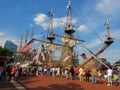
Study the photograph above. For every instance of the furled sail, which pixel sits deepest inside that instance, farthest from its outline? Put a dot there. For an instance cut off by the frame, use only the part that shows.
(50, 47)
(69, 42)
(43, 56)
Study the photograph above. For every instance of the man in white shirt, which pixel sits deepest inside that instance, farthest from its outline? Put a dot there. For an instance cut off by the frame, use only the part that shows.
(109, 76)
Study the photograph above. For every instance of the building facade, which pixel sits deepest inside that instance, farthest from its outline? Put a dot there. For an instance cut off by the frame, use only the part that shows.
(11, 46)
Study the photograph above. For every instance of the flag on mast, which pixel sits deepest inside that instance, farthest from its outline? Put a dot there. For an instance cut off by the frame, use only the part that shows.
(106, 21)
(83, 55)
(69, 3)
(28, 46)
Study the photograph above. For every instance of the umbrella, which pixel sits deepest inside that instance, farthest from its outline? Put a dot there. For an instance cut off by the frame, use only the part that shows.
(33, 64)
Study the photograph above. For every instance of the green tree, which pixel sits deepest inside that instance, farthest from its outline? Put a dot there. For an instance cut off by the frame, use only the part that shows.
(5, 52)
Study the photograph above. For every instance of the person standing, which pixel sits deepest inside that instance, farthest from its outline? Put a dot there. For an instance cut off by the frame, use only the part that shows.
(0, 75)
(118, 75)
(13, 72)
(94, 75)
(109, 76)
(81, 71)
(115, 77)
(87, 74)
(76, 72)
(72, 72)
(100, 75)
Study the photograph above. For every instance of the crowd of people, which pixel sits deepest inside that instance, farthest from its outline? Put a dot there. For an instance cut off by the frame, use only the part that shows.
(93, 75)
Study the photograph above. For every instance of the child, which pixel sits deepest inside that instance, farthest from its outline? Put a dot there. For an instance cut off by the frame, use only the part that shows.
(115, 77)
(105, 77)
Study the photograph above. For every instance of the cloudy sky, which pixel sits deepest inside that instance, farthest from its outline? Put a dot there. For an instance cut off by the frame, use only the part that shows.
(88, 18)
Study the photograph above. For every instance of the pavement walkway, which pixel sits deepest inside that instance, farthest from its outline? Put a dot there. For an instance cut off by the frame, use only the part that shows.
(53, 83)
(11, 86)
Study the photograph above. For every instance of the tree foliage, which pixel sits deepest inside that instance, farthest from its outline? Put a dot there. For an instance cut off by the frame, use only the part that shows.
(5, 52)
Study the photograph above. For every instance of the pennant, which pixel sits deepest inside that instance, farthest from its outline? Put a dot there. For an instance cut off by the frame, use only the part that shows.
(106, 21)
(50, 13)
(69, 3)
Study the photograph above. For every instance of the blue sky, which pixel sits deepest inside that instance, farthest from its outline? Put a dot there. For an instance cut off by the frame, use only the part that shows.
(16, 16)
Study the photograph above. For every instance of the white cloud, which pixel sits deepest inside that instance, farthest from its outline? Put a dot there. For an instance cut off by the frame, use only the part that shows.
(43, 21)
(58, 22)
(83, 28)
(1, 33)
(108, 7)
(40, 18)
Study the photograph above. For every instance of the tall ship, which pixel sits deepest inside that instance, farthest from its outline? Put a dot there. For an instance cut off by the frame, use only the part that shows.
(68, 57)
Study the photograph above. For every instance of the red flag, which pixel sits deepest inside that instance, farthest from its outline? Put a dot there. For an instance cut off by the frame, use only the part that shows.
(83, 56)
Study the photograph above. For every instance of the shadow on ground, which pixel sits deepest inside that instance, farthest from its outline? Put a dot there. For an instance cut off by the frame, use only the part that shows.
(69, 86)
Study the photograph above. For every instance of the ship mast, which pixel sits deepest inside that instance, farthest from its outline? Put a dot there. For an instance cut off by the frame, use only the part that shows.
(66, 50)
(21, 42)
(109, 39)
(69, 30)
(26, 38)
(108, 43)
(32, 34)
(50, 37)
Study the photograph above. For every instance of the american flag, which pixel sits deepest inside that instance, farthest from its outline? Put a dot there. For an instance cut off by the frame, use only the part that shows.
(28, 46)
(83, 55)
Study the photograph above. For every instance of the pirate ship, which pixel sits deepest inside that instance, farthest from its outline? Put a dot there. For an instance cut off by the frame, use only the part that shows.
(67, 45)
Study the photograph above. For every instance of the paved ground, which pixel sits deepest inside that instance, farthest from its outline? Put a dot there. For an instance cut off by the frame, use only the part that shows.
(7, 86)
(54, 83)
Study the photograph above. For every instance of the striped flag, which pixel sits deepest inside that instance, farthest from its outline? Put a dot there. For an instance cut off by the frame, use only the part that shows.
(83, 55)
(28, 46)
